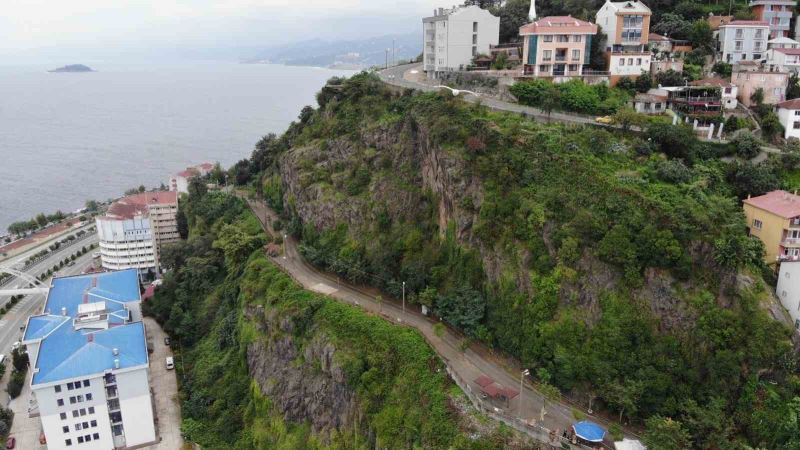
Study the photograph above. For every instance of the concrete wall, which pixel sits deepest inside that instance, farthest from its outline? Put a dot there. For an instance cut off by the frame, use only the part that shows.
(633, 64)
(773, 83)
(788, 118)
(788, 290)
(136, 407)
(771, 231)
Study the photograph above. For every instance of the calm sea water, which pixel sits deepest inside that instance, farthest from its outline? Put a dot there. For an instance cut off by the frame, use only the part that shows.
(69, 137)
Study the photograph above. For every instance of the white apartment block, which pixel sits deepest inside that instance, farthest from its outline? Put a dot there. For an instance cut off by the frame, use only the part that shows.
(742, 40)
(90, 365)
(788, 289)
(180, 181)
(784, 59)
(453, 37)
(789, 115)
(134, 228)
(627, 28)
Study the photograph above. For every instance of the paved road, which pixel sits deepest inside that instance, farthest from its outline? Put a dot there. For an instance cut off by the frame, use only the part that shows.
(20, 257)
(164, 384)
(467, 364)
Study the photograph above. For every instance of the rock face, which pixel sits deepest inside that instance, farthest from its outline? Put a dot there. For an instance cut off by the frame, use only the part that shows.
(304, 383)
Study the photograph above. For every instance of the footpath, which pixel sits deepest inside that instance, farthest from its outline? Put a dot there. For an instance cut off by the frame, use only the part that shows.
(531, 413)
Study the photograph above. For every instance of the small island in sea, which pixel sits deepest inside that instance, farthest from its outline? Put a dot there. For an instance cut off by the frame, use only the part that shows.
(72, 68)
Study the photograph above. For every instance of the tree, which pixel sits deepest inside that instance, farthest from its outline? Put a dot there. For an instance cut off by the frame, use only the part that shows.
(670, 78)
(236, 244)
(701, 36)
(663, 433)
(627, 117)
(676, 141)
(627, 84)
(551, 100)
(751, 179)
(748, 146)
(771, 126)
(674, 26)
(757, 96)
(41, 219)
(644, 82)
(722, 69)
(501, 61)
(793, 88)
(513, 15)
(463, 307)
(182, 223)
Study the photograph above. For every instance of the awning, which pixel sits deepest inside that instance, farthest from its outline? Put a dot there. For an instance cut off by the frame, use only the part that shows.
(483, 381)
(589, 431)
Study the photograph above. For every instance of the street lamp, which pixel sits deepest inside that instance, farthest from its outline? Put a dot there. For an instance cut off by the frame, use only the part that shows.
(522, 376)
(404, 298)
(285, 236)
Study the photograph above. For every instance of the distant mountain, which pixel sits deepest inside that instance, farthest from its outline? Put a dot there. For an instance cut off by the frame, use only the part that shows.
(343, 54)
(73, 68)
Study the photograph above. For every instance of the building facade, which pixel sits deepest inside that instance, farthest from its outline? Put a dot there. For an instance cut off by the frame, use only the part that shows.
(788, 290)
(776, 13)
(180, 181)
(748, 78)
(88, 354)
(742, 40)
(556, 47)
(453, 37)
(774, 218)
(134, 228)
(784, 59)
(627, 29)
(728, 91)
(789, 115)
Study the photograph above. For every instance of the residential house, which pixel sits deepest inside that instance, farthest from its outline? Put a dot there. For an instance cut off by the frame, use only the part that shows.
(453, 37)
(649, 103)
(774, 218)
(89, 364)
(749, 76)
(626, 25)
(784, 59)
(717, 21)
(663, 65)
(788, 290)
(556, 46)
(782, 42)
(657, 42)
(180, 181)
(789, 115)
(728, 90)
(777, 13)
(700, 102)
(512, 52)
(742, 40)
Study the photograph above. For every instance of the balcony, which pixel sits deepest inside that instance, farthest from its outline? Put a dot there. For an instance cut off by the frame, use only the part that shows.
(790, 242)
(112, 392)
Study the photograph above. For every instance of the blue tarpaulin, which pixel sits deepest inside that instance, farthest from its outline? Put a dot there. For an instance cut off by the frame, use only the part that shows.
(589, 431)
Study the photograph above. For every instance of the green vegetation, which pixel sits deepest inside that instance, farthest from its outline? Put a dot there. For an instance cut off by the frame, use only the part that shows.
(19, 362)
(41, 219)
(581, 226)
(400, 384)
(573, 96)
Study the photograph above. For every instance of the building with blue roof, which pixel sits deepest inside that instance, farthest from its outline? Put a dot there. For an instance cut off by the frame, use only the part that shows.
(88, 352)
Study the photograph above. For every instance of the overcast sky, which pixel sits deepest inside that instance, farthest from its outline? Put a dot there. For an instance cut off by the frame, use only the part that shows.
(97, 28)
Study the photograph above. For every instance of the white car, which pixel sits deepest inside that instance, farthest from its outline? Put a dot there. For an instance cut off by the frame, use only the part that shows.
(170, 363)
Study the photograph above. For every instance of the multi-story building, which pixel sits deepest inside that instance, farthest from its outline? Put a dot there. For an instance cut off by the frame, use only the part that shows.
(782, 42)
(557, 47)
(775, 219)
(788, 289)
(742, 40)
(135, 227)
(789, 115)
(777, 13)
(784, 59)
(728, 91)
(627, 28)
(453, 37)
(180, 181)
(750, 76)
(88, 354)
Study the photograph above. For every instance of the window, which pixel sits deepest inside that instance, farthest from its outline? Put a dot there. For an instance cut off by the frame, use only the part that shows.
(96, 436)
(72, 400)
(88, 396)
(63, 416)
(577, 38)
(80, 398)
(75, 413)
(658, 106)
(94, 423)
(563, 38)
(83, 411)
(797, 113)
(759, 34)
(757, 224)
(60, 402)
(70, 386)
(739, 45)
(739, 33)
(728, 90)
(576, 55)
(85, 425)
(630, 61)
(68, 442)
(65, 428)
(622, 62)
(88, 437)
(78, 426)
(544, 68)
(85, 383)
(474, 27)
(474, 39)
(573, 67)
(91, 410)
(638, 61)
(796, 126)
(80, 439)
(474, 51)
(547, 55)
(756, 55)
(797, 324)
(548, 38)
(58, 388)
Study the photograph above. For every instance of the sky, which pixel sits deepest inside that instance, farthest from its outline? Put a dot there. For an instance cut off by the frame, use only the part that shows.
(42, 29)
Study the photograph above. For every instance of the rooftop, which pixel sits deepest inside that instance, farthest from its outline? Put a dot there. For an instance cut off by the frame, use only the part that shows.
(558, 25)
(657, 37)
(782, 40)
(138, 204)
(712, 82)
(790, 104)
(85, 329)
(631, 6)
(746, 23)
(788, 51)
(780, 203)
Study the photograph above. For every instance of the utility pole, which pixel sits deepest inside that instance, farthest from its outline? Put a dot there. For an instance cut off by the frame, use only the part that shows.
(521, 390)
(404, 298)
(285, 236)
(387, 58)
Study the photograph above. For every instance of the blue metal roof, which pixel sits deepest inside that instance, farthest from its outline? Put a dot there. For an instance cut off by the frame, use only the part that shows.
(66, 353)
(589, 431)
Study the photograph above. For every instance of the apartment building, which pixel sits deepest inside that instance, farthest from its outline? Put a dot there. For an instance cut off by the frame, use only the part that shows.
(784, 59)
(88, 354)
(750, 76)
(728, 91)
(742, 40)
(775, 219)
(789, 115)
(557, 46)
(453, 37)
(776, 13)
(627, 28)
(134, 229)
(180, 181)
(788, 289)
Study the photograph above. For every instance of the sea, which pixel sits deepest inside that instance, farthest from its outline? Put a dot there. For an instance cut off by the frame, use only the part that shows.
(69, 137)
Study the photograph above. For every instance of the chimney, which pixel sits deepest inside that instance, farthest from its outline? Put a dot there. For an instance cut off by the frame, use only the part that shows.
(115, 351)
(116, 363)
(63, 310)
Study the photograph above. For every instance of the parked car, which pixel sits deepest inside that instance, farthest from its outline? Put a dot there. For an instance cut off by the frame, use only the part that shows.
(604, 120)
(166, 341)
(11, 442)
(170, 363)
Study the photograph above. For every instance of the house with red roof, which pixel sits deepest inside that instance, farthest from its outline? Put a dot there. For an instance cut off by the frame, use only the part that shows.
(784, 59)
(742, 40)
(777, 13)
(556, 47)
(789, 115)
(774, 218)
(180, 181)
